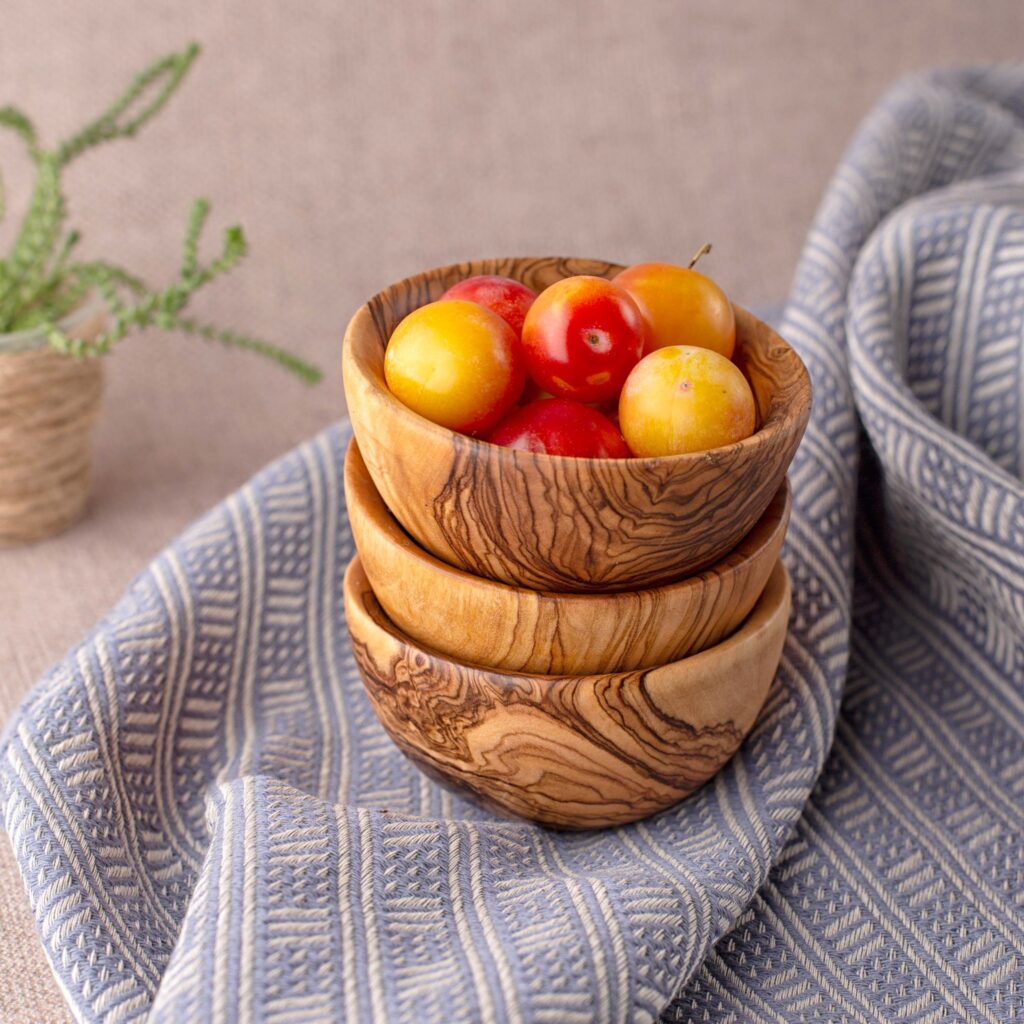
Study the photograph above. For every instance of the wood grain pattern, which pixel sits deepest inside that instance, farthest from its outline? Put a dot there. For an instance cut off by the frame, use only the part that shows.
(519, 630)
(568, 751)
(556, 523)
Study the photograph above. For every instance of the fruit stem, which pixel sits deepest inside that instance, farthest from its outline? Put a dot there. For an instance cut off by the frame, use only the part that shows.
(702, 251)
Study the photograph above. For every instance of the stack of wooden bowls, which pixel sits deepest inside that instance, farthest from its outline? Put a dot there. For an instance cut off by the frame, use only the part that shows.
(580, 642)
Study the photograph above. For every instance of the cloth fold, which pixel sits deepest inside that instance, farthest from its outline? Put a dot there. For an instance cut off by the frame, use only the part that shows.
(212, 826)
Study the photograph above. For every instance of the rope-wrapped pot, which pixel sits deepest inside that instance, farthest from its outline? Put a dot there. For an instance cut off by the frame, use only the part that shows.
(48, 404)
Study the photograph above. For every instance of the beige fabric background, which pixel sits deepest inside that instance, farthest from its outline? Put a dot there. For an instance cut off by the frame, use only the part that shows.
(360, 142)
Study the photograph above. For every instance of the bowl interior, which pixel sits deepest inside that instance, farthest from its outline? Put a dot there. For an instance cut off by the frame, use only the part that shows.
(522, 630)
(570, 751)
(389, 307)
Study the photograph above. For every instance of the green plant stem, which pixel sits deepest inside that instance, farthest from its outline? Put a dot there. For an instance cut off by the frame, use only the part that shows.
(39, 285)
(142, 100)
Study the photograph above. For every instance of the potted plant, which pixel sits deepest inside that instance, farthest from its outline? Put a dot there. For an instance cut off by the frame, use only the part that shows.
(59, 314)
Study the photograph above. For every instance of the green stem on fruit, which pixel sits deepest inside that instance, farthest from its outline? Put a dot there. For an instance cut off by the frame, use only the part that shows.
(702, 251)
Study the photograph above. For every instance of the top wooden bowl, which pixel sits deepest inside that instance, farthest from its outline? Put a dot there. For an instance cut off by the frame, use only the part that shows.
(558, 523)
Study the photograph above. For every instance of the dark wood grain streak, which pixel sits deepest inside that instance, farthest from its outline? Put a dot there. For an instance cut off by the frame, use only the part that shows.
(563, 524)
(521, 630)
(568, 751)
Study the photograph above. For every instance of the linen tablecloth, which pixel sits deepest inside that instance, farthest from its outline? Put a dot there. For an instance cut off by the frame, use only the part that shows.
(212, 826)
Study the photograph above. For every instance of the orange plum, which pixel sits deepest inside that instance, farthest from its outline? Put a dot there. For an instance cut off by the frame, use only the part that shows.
(685, 399)
(681, 307)
(455, 363)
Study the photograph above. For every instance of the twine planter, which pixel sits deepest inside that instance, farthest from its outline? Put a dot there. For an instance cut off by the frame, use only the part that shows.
(48, 404)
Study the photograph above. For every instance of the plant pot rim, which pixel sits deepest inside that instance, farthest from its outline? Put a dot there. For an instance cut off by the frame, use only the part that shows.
(33, 338)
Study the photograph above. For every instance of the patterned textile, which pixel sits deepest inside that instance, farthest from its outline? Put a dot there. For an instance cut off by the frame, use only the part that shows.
(213, 827)
(901, 894)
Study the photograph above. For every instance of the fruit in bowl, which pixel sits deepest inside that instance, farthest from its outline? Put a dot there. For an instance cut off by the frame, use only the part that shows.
(560, 426)
(681, 306)
(625, 344)
(510, 299)
(456, 363)
(555, 522)
(582, 337)
(685, 399)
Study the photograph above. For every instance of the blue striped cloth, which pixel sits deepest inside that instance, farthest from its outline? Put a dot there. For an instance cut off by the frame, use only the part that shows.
(213, 827)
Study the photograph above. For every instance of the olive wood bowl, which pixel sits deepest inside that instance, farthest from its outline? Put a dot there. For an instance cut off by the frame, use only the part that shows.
(520, 630)
(554, 522)
(577, 752)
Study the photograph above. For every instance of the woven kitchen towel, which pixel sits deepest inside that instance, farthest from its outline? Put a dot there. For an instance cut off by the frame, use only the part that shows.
(901, 895)
(213, 827)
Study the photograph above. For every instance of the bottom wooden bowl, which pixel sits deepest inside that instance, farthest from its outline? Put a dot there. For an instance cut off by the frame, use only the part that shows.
(569, 751)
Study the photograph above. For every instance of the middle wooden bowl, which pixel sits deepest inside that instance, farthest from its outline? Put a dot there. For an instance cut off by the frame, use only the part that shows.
(581, 751)
(519, 630)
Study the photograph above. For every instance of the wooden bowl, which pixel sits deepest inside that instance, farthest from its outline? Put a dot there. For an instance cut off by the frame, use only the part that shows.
(558, 523)
(570, 751)
(519, 630)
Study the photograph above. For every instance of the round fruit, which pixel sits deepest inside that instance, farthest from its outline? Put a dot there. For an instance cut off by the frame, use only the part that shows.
(508, 298)
(560, 426)
(681, 307)
(582, 337)
(685, 399)
(456, 364)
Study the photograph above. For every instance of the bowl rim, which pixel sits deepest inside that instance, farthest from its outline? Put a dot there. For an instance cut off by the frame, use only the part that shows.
(776, 594)
(777, 417)
(397, 537)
